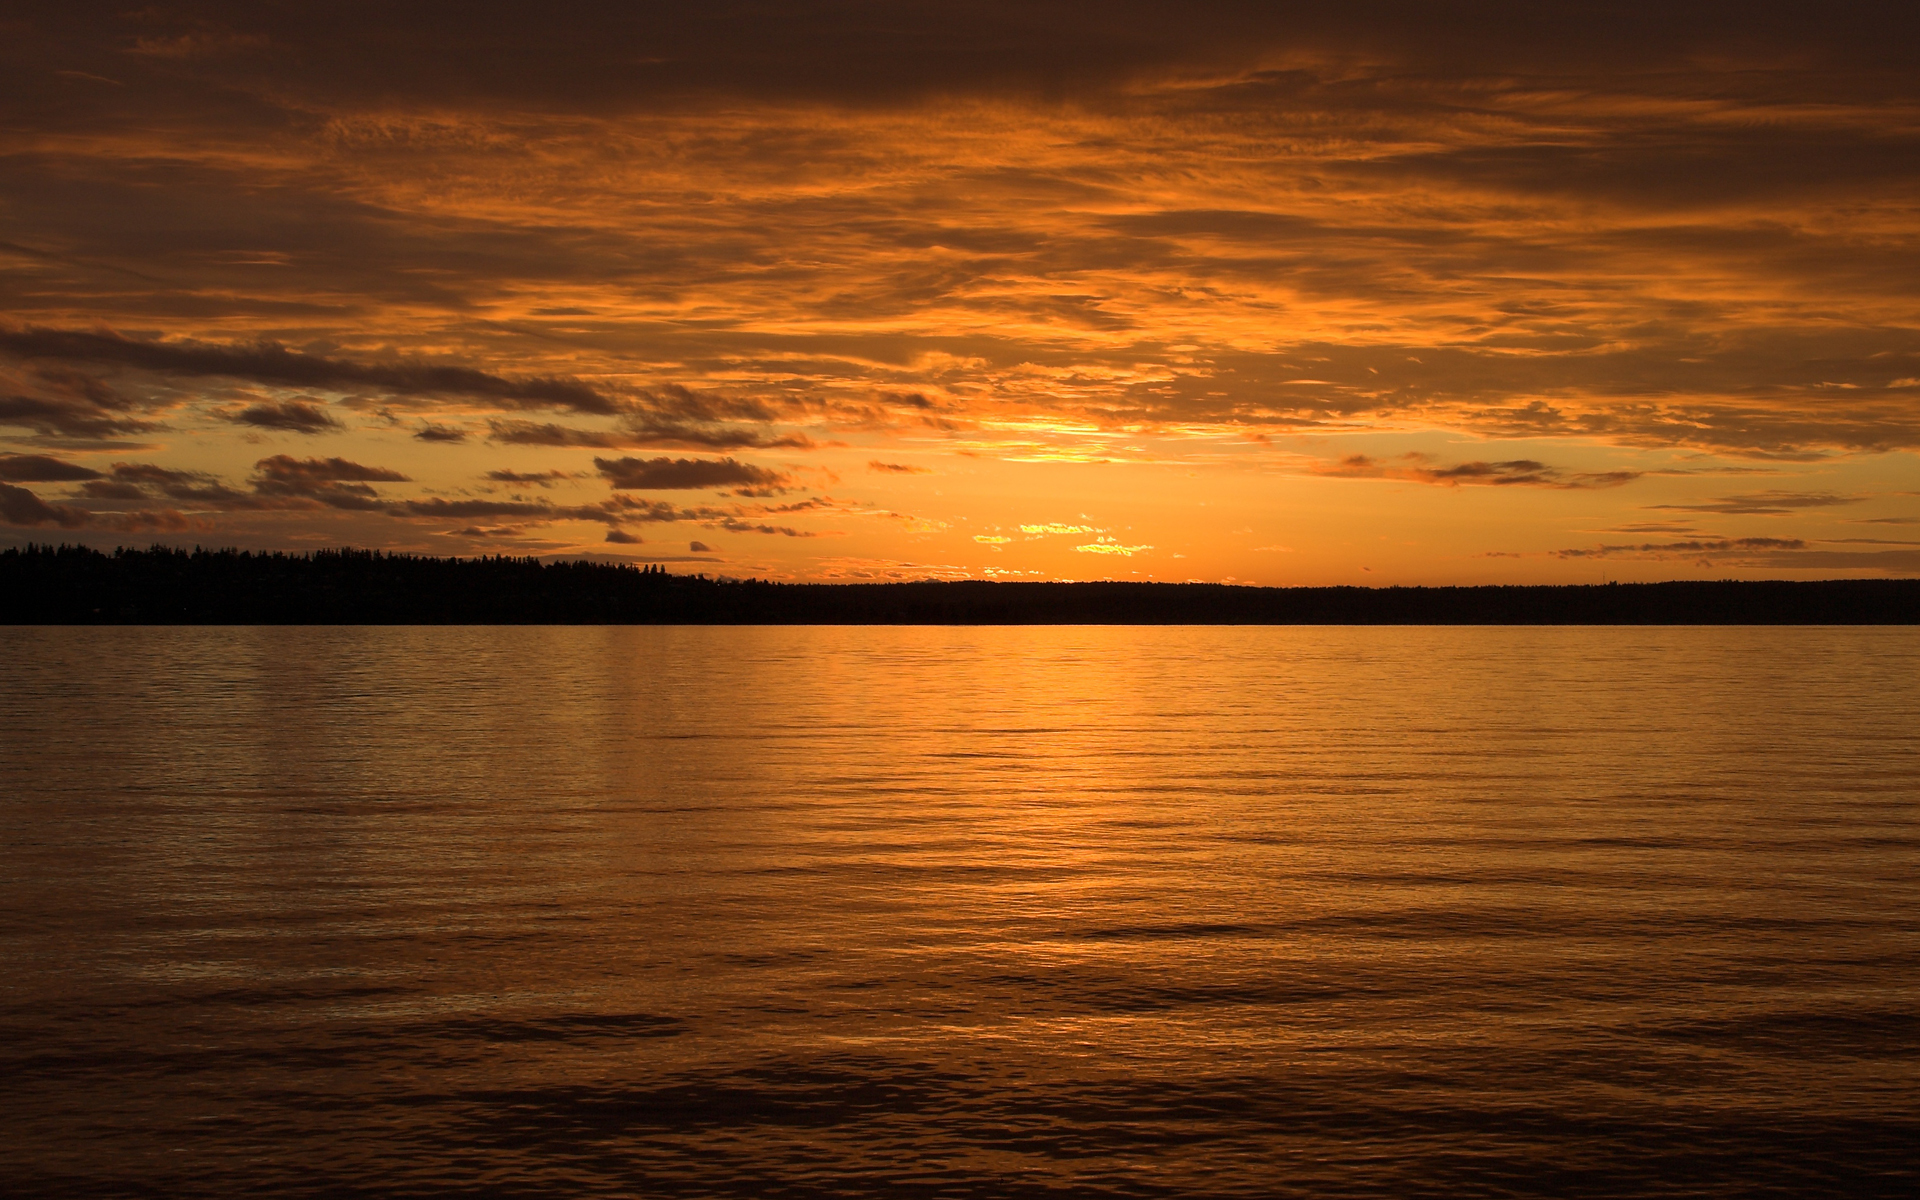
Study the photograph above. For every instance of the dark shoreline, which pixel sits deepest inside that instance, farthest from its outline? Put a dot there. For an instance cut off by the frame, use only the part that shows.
(44, 585)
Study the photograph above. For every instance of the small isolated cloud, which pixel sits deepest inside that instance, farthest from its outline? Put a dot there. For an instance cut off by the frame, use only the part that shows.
(430, 432)
(1056, 527)
(681, 474)
(533, 433)
(287, 416)
(286, 468)
(545, 479)
(735, 525)
(40, 468)
(991, 539)
(481, 531)
(1273, 549)
(1106, 546)
(700, 548)
(334, 482)
(1670, 528)
(622, 537)
(1762, 504)
(888, 468)
(1516, 472)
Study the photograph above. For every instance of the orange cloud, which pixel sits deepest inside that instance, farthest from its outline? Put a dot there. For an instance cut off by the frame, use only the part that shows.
(1229, 246)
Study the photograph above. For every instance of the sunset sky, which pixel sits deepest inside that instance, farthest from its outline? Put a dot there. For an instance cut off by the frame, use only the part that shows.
(1271, 293)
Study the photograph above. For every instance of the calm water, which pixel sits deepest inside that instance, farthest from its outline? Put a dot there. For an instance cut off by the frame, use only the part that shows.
(959, 912)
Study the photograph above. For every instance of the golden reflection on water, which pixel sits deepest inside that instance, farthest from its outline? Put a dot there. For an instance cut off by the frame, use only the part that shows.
(737, 910)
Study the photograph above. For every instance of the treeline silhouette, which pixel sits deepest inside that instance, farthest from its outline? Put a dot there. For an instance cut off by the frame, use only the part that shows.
(78, 585)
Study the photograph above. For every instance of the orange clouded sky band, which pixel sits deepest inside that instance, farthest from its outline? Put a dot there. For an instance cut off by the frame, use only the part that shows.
(1406, 293)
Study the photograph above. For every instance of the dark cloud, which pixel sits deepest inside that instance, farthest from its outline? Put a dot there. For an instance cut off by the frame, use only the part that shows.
(677, 474)
(1686, 549)
(636, 433)
(285, 468)
(1790, 554)
(699, 548)
(597, 56)
(430, 432)
(271, 363)
(38, 468)
(1774, 503)
(333, 482)
(621, 508)
(736, 525)
(670, 404)
(529, 433)
(622, 537)
(640, 508)
(18, 506)
(72, 404)
(676, 435)
(614, 512)
(288, 416)
(483, 531)
(286, 483)
(545, 479)
(1729, 165)
(887, 468)
(138, 481)
(1519, 472)
(1669, 528)
(435, 506)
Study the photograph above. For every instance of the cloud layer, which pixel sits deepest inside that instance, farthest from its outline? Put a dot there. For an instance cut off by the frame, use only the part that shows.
(1509, 259)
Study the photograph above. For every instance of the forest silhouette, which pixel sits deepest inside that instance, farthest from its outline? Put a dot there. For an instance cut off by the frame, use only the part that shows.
(43, 584)
(73, 584)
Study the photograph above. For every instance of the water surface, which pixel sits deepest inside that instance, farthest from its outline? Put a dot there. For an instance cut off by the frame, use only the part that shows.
(959, 912)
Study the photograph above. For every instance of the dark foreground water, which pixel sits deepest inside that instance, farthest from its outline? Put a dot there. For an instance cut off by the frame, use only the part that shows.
(959, 912)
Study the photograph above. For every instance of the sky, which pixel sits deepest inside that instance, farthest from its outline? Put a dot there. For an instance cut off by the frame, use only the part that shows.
(1266, 293)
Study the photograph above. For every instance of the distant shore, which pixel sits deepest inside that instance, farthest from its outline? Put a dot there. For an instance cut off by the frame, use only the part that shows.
(72, 585)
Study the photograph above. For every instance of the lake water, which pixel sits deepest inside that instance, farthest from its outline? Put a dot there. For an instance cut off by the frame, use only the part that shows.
(797, 912)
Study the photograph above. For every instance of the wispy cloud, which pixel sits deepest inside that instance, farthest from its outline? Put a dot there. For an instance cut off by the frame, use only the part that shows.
(1686, 549)
(270, 362)
(39, 468)
(1773, 503)
(288, 416)
(1110, 546)
(680, 474)
(1522, 472)
(1241, 245)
